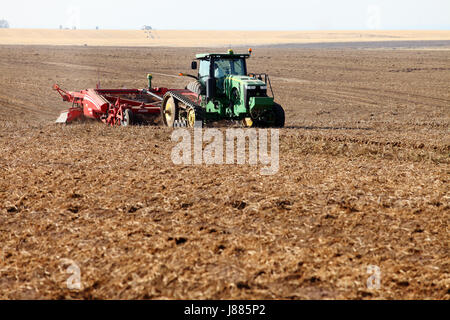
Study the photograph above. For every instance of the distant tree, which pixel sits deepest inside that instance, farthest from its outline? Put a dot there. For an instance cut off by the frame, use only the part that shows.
(4, 24)
(60, 27)
(146, 28)
(97, 28)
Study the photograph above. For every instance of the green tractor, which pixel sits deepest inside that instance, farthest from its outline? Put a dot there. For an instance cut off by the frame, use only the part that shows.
(223, 90)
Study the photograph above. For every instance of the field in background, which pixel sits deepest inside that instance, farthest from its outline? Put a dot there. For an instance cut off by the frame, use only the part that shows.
(178, 38)
(363, 180)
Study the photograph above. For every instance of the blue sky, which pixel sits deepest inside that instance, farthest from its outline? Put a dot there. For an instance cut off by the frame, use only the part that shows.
(230, 14)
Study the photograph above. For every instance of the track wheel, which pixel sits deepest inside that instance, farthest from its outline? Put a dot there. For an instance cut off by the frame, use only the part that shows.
(279, 116)
(272, 118)
(169, 111)
(128, 118)
(194, 114)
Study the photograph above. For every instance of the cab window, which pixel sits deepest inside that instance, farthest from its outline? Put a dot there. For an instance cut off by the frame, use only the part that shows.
(226, 67)
(203, 71)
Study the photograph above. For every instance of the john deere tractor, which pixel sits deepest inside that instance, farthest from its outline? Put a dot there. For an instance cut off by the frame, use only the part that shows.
(223, 90)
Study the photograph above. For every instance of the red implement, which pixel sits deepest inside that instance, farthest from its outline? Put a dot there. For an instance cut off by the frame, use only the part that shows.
(112, 106)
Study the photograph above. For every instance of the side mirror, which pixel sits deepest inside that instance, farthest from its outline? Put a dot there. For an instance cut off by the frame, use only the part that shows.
(194, 65)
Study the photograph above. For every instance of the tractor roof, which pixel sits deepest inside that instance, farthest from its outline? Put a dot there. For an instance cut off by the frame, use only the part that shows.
(230, 55)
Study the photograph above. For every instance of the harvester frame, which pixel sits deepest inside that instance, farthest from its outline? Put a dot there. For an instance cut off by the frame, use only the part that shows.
(112, 106)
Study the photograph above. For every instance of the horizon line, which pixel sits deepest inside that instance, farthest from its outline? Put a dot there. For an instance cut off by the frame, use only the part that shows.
(247, 30)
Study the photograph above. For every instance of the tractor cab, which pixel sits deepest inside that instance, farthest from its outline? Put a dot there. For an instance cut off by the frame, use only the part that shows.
(215, 67)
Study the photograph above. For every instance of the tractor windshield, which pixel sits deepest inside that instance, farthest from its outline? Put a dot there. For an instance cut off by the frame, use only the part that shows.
(226, 67)
(223, 67)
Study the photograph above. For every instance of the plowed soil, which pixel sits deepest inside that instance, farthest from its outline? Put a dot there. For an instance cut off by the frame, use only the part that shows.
(363, 180)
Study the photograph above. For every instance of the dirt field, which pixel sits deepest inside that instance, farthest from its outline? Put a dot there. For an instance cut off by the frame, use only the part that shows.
(363, 180)
(201, 38)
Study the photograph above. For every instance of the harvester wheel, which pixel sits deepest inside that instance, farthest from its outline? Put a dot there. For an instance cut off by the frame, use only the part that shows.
(169, 111)
(128, 118)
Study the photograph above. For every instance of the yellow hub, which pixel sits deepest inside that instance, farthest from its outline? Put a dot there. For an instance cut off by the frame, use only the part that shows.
(191, 118)
(168, 111)
(248, 122)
